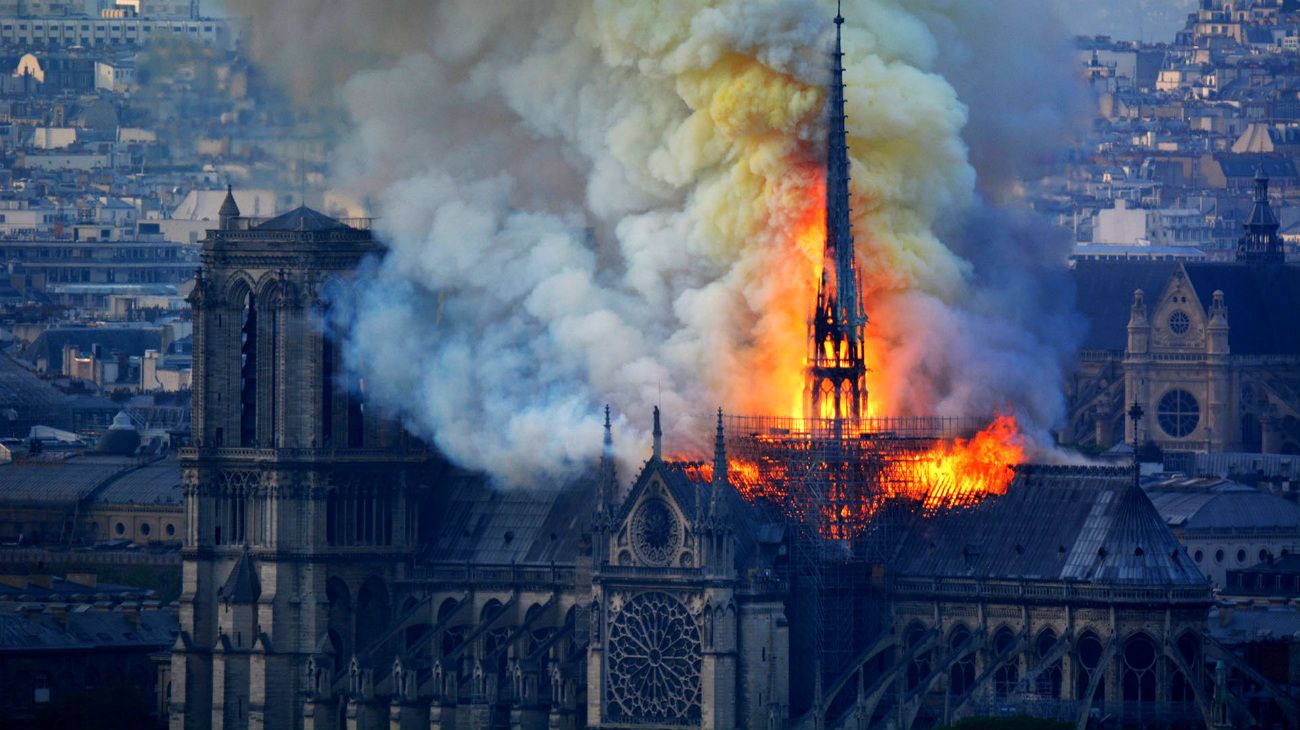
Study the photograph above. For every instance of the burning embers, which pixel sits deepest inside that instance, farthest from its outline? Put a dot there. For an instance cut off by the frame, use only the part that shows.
(840, 482)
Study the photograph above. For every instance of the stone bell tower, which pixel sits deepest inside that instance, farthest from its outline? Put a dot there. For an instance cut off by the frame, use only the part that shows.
(295, 493)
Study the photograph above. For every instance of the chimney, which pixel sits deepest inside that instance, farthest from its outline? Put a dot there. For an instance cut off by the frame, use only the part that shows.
(59, 611)
(83, 579)
(1226, 609)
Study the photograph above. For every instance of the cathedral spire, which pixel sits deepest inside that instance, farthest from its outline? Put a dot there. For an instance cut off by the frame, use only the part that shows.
(719, 468)
(607, 476)
(658, 438)
(836, 378)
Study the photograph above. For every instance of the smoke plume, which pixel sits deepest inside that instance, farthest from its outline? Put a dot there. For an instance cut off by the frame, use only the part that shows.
(591, 201)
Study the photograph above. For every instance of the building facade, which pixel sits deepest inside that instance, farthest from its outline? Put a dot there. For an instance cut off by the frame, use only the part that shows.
(291, 486)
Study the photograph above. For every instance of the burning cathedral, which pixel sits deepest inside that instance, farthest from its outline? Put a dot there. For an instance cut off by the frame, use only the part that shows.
(829, 571)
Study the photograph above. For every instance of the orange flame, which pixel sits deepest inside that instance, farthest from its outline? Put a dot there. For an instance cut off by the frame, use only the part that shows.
(950, 475)
(964, 471)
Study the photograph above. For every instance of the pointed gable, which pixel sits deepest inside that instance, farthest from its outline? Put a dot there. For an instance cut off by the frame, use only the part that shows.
(242, 585)
(1055, 523)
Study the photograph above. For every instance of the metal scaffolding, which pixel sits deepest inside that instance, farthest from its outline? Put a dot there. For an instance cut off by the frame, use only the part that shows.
(845, 490)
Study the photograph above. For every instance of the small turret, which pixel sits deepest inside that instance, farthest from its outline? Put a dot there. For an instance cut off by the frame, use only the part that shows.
(229, 210)
(1218, 325)
(1139, 326)
(1261, 243)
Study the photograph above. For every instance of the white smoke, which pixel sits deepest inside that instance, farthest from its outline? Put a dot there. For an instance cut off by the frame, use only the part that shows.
(588, 202)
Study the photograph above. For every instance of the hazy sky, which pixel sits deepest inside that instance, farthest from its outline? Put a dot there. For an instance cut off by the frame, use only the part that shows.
(1151, 20)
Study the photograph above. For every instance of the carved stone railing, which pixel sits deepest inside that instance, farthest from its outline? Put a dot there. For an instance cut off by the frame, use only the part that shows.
(1046, 592)
(462, 574)
(193, 453)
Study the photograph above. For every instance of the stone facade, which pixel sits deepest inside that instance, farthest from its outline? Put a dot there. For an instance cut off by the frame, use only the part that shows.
(1201, 348)
(292, 496)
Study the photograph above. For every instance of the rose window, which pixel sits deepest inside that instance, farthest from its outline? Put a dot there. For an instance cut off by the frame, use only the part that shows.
(656, 533)
(654, 663)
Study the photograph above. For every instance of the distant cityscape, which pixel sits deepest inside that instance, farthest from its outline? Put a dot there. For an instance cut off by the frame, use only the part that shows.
(204, 521)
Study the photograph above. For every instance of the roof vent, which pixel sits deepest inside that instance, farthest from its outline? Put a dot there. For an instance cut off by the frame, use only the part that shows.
(1139, 551)
(1101, 552)
(510, 536)
(1020, 550)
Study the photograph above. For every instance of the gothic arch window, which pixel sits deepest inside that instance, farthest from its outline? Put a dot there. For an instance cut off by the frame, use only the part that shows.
(1178, 413)
(1087, 653)
(961, 676)
(1252, 433)
(1048, 683)
(1139, 679)
(654, 663)
(1189, 649)
(340, 619)
(248, 370)
(1007, 675)
(335, 297)
(919, 667)
(372, 612)
(268, 343)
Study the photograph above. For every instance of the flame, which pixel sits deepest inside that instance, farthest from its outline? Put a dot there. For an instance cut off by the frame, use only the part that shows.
(950, 475)
(780, 356)
(964, 471)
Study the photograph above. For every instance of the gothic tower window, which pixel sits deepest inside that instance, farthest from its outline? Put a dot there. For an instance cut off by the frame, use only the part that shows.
(248, 373)
(327, 389)
(356, 412)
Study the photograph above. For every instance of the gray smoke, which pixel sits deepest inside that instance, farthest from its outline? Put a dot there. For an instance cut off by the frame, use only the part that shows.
(591, 201)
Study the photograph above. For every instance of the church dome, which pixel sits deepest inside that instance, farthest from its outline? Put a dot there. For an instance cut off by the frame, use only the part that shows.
(121, 438)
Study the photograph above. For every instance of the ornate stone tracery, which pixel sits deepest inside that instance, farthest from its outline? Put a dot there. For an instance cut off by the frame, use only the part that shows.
(654, 663)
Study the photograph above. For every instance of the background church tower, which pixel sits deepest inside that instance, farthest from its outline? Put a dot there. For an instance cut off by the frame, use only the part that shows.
(836, 380)
(296, 495)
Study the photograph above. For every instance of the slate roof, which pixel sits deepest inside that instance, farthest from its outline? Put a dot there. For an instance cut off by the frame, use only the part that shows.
(1254, 293)
(1245, 166)
(130, 340)
(86, 629)
(61, 482)
(302, 218)
(485, 524)
(1229, 506)
(102, 479)
(35, 400)
(1055, 523)
(64, 590)
(152, 484)
(1245, 624)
